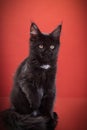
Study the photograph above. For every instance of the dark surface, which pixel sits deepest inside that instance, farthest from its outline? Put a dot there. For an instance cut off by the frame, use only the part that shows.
(72, 112)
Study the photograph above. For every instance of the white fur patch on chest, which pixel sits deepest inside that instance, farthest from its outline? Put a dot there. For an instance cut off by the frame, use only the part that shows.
(45, 67)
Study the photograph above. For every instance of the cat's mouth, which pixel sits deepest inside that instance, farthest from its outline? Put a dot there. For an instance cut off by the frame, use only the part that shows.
(45, 66)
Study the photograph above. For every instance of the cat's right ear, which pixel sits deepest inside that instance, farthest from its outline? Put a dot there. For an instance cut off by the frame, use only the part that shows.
(34, 30)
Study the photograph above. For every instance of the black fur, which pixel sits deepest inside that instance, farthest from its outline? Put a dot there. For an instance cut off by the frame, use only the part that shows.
(33, 93)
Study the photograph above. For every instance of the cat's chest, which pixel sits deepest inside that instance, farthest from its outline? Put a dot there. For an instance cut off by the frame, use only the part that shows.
(47, 79)
(44, 81)
(45, 67)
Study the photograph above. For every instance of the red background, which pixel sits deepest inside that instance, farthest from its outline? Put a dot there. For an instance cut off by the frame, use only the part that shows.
(16, 16)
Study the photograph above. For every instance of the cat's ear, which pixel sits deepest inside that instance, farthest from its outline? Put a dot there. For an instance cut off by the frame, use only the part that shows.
(34, 30)
(56, 33)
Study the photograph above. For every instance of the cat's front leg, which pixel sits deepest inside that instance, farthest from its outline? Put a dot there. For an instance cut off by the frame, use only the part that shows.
(46, 109)
(47, 103)
(31, 94)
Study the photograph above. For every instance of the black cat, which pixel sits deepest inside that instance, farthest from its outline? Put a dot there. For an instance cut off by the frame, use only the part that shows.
(33, 93)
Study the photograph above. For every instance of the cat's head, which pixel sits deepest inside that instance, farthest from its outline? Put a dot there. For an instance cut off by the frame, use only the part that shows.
(44, 46)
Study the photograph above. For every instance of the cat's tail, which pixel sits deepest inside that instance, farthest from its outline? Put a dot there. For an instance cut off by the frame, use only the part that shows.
(14, 121)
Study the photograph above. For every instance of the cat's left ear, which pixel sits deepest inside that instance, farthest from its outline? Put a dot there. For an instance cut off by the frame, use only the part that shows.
(56, 33)
(34, 30)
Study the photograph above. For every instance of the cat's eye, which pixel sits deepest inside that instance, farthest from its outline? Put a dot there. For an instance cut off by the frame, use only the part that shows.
(41, 46)
(52, 47)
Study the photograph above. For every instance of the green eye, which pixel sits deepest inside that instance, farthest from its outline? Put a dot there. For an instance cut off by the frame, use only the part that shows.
(52, 47)
(41, 46)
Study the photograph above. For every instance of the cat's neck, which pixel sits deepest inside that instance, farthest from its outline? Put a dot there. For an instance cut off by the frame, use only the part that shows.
(40, 64)
(45, 66)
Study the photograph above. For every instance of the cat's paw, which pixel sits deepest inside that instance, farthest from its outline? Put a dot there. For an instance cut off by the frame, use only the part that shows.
(52, 122)
(35, 113)
(55, 116)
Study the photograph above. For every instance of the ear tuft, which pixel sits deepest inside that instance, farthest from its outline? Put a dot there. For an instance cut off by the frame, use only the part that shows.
(34, 30)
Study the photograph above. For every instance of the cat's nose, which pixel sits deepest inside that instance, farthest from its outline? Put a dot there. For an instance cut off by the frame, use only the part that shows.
(46, 52)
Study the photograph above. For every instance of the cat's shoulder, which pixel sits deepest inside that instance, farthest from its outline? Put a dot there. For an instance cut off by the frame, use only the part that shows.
(23, 67)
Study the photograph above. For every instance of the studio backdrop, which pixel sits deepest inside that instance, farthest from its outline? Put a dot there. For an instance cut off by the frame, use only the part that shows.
(71, 79)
